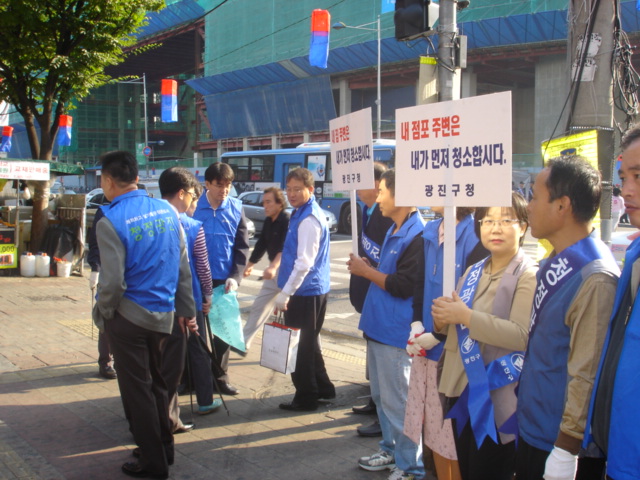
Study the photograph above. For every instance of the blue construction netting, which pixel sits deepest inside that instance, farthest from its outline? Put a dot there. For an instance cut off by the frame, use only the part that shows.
(287, 107)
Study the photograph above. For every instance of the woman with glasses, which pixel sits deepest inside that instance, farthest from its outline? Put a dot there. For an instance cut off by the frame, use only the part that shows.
(487, 327)
(424, 420)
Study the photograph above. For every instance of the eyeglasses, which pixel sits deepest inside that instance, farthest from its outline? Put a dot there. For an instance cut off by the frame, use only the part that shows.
(192, 194)
(294, 190)
(503, 222)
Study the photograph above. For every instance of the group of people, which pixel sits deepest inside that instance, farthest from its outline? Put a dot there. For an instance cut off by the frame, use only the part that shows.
(526, 369)
(155, 263)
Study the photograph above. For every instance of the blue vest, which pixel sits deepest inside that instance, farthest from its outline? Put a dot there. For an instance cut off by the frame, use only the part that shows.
(466, 240)
(191, 228)
(220, 227)
(150, 232)
(317, 280)
(624, 427)
(544, 377)
(385, 318)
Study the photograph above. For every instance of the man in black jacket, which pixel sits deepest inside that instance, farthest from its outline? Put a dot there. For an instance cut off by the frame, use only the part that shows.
(370, 238)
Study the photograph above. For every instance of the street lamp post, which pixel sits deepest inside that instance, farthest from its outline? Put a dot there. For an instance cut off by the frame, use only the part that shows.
(340, 25)
(143, 81)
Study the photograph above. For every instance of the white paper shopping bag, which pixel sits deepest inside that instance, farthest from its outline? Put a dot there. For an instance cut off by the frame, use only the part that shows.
(279, 347)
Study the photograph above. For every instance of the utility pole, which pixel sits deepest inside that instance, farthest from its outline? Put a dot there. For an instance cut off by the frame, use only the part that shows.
(448, 74)
(449, 87)
(590, 47)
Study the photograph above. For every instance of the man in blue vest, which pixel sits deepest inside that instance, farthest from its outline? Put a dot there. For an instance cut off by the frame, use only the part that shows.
(225, 229)
(572, 305)
(370, 237)
(304, 283)
(178, 186)
(615, 421)
(386, 323)
(145, 278)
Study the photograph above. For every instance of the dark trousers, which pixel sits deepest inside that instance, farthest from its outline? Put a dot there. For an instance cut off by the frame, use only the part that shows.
(220, 348)
(138, 354)
(104, 352)
(310, 378)
(530, 463)
(173, 362)
(489, 462)
(200, 365)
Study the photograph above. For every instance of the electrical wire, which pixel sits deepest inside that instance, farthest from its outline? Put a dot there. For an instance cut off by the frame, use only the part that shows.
(574, 86)
(626, 80)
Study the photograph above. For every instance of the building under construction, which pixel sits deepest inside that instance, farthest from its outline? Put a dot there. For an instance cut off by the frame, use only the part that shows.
(245, 81)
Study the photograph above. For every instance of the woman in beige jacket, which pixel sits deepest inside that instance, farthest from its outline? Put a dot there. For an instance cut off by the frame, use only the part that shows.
(494, 331)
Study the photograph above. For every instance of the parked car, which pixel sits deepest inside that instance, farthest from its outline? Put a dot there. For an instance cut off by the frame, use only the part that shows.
(95, 198)
(253, 210)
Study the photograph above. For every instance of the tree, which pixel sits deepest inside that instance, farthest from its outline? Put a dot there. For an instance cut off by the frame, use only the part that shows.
(55, 52)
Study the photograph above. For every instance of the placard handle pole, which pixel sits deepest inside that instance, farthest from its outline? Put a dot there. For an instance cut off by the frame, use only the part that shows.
(449, 258)
(354, 222)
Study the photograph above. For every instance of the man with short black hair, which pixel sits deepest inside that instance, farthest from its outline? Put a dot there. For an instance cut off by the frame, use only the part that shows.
(574, 296)
(304, 283)
(178, 187)
(370, 237)
(386, 323)
(225, 229)
(144, 279)
(614, 418)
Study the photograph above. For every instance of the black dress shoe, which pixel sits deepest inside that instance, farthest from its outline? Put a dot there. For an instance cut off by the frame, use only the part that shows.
(108, 372)
(184, 428)
(136, 454)
(225, 388)
(298, 407)
(369, 409)
(372, 430)
(133, 469)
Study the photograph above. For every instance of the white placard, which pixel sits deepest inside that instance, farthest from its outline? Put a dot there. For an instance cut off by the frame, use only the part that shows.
(24, 170)
(455, 153)
(352, 151)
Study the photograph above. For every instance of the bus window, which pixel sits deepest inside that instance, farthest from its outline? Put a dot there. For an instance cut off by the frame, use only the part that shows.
(240, 166)
(252, 169)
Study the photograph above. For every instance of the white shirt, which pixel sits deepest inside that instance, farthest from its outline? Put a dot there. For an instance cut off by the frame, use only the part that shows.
(309, 233)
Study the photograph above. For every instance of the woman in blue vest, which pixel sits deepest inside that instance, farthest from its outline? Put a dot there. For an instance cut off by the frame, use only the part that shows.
(487, 328)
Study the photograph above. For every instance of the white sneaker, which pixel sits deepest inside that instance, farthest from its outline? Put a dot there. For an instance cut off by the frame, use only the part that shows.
(397, 474)
(380, 460)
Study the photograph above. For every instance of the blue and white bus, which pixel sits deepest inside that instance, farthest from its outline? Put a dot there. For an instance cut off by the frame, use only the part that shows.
(260, 169)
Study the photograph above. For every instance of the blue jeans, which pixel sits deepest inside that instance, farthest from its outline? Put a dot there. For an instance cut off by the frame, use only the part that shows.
(389, 369)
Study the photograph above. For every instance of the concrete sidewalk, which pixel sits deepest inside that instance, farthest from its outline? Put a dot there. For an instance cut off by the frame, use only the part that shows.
(60, 420)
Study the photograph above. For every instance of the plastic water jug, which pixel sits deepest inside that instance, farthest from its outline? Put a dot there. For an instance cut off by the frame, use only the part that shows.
(42, 265)
(27, 265)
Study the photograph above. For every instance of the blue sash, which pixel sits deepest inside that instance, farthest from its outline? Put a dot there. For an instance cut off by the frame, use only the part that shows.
(475, 401)
(557, 271)
(500, 372)
(371, 248)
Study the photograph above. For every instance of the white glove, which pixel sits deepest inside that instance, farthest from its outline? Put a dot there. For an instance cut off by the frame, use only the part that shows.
(230, 285)
(93, 280)
(426, 341)
(281, 301)
(561, 465)
(417, 328)
(415, 350)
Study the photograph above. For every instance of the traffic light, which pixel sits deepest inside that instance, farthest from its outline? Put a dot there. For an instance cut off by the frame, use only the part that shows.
(414, 17)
